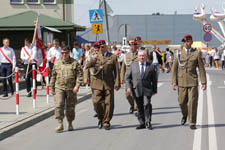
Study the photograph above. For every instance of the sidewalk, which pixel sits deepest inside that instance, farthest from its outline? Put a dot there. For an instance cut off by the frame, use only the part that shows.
(10, 123)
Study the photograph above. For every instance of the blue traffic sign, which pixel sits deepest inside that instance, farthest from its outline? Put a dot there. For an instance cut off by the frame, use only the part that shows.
(96, 16)
(207, 37)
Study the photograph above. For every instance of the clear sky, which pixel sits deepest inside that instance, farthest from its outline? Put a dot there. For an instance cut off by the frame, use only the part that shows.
(140, 7)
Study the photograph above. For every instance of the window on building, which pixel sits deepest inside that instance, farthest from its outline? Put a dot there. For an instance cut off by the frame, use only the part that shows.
(49, 1)
(16, 1)
(33, 1)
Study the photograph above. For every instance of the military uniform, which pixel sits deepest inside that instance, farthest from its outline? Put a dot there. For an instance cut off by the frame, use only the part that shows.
(129, 58)
(185, 76)
(89, 73)
(65, 77)
(102, 84)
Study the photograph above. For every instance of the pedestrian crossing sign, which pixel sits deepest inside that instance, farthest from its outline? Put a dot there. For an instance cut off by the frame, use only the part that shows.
(96, 16)
(97, 28)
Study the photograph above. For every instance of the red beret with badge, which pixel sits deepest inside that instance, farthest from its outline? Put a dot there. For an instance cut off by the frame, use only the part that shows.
(186, 37)
(96, 44)
(101, 42)
(137, 38)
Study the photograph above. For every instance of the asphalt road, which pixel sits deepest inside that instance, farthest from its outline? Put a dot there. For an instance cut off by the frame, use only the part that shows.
(167, 134)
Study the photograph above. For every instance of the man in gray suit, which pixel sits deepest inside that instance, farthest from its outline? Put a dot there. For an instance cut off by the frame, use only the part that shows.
(141, 81)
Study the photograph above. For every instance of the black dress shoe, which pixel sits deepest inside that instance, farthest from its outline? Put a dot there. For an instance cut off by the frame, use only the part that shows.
(107, 127)
(96, 115)
(100, 124)
(29, 95)
(142, 126)
(149, 126)
(131, 110)
(136, 114)
(193, 127)
(183, 120)
(5, 95)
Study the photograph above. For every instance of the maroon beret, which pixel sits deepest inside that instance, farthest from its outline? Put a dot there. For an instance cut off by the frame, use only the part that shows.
(101, 42)
(186, 37)
(96, 44)
(137, 38)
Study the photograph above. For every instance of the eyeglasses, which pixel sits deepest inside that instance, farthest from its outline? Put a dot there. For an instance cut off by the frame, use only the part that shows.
(64, 53)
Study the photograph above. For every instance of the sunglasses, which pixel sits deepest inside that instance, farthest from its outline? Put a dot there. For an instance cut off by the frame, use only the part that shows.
(64, 53)
(102, 46)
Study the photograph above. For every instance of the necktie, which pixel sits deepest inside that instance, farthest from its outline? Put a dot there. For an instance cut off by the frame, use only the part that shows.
(142, 70)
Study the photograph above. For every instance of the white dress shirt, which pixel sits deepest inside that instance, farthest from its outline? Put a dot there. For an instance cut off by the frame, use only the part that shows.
(155, 59)
(32, 51)
(54, 52)
(140, 65)
(9, 52)
(187, 50)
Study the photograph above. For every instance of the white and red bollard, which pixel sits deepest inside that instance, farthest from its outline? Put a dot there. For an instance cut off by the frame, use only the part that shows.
(34, 86)
(47, 82)
(17, 91)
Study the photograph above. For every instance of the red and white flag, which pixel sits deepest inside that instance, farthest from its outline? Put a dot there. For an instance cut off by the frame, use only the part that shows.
(41, 55)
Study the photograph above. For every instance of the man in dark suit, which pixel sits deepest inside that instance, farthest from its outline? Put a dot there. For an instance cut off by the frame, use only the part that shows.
(142, 79)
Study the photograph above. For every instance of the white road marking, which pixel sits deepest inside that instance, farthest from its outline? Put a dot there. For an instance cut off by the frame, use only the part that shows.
(211, 120)
(198, 133)
(221, 87)
(160, 84)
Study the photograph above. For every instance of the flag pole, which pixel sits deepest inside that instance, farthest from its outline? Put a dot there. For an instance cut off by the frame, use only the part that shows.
(107, 23)
(35, 31)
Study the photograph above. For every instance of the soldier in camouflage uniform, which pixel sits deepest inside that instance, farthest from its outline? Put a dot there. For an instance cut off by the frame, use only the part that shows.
(129, 58)
(64, 86)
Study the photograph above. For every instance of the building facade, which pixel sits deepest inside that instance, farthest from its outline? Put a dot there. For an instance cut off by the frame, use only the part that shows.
(61, 9)
(153, 27)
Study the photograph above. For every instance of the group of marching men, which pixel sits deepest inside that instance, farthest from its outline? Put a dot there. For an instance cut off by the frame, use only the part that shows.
(102, 72)
(139, 72)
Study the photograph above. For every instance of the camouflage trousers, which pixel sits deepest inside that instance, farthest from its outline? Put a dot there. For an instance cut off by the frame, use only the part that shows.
(65, 100)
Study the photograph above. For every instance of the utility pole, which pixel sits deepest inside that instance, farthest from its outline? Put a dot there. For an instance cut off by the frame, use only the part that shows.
(64, 10)
(107, 23)
(125, 30)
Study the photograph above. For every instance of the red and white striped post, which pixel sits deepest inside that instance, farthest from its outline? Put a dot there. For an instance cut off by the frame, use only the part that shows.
(47, 82)
(17, 91)
(34, 86)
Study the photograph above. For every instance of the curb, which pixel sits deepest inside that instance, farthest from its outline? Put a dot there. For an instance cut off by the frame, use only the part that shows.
(32, 120)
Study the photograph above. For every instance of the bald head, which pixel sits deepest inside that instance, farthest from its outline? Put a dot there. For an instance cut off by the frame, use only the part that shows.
(142, 56)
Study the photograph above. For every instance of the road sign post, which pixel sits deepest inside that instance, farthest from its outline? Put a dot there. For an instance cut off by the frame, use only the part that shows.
(207, 28)
(207, 37)
(96, 19)
(96, 16)
(97, 28)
